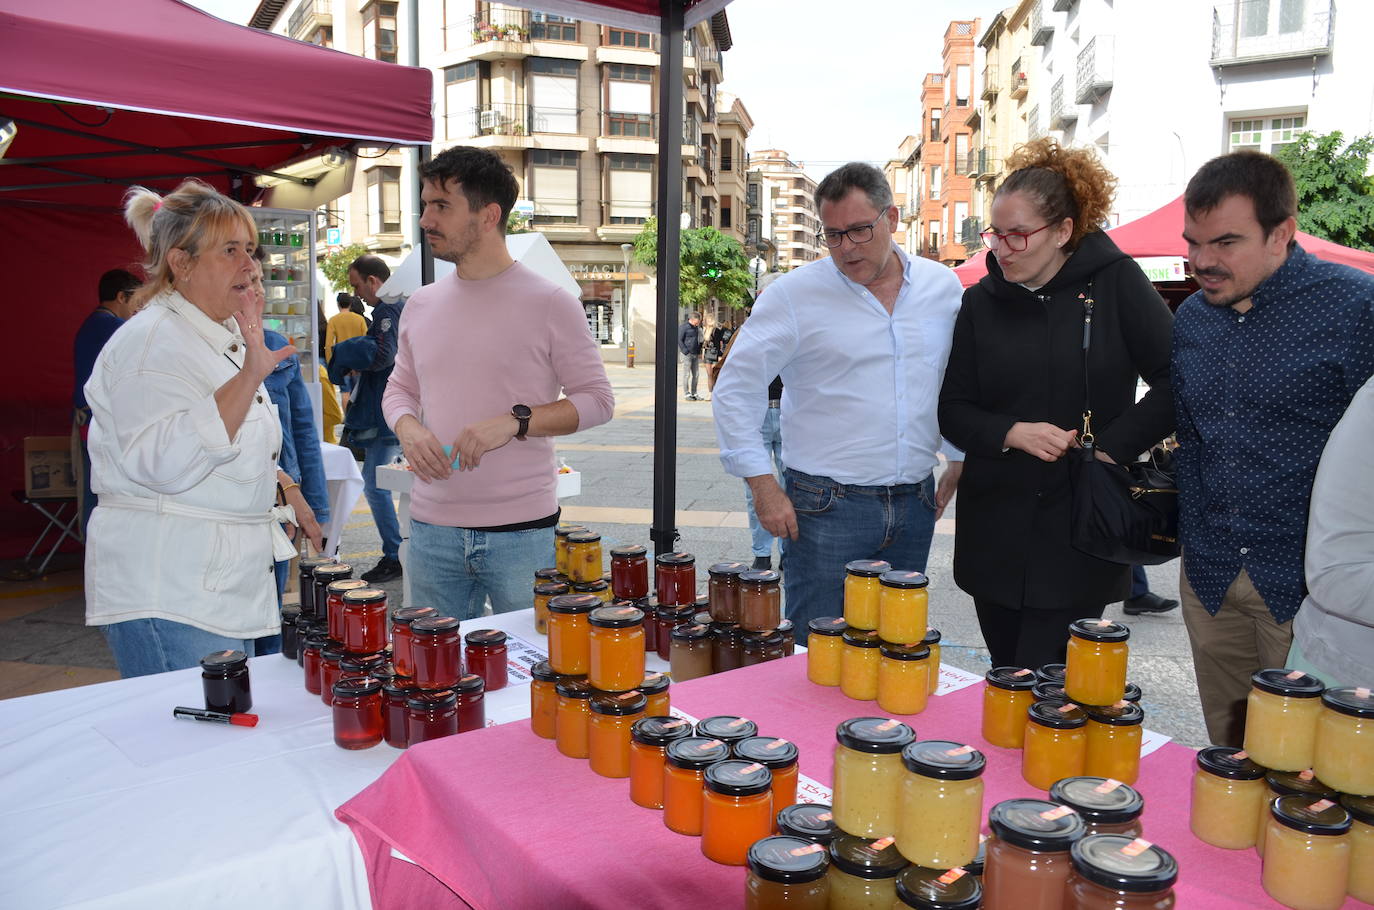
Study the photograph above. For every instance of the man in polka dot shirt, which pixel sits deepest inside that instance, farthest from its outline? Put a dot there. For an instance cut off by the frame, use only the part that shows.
(1267, 355)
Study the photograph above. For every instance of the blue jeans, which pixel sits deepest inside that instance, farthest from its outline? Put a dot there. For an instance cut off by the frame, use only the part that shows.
(383, 507)
(838, 523)
(771, 431)
(1139, 584)
(145, 646)
(455, 570)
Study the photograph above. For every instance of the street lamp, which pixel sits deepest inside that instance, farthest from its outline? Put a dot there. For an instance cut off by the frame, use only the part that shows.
(626, 317)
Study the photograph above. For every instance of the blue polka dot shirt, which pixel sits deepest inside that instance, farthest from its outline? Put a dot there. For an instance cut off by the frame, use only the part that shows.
(1257, 395)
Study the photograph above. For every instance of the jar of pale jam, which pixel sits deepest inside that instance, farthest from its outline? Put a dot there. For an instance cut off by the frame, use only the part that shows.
(570, 637)
(616, 648)
(1056, 744)
(402, 637)
(1095, 669)
(1116, 872)
(759, 647)
(1343, 754)
(1307, 853)
(357, 709)
(1028, 861)
(608, 731)
(1289, 783)
(330, 671)
(823, 647)
(941, 805)
(584, 556)
(723, 590)
(685, 763)
(1228, 798)
(903, 606)
(649, 737)
(932, 641)
(543, 699)
(809, 821)
(224, 677)
(322, 578)
(867, 777)
(1361, 883)
(364, 620)
(311, 660)
(675, 578)
(431, 714)
(655, 689)
(307, 566)
(598, 588)
(542, 593)
(334, 601)
(760, 600)
(861, 588)
(938, 889)
(789, 637)
(560, 547)
(863, 872)
(787, 872)
(778, 756)
(1281, 714)
(859, 664)
(395, 691)
(1114, 735)
(1006, 698)
(903, 678)
(435, 652)
(727, 653)
(690, 655)
(572, 718)
(736, 809)
(1106, 806)
(630, 572)
(727, 728)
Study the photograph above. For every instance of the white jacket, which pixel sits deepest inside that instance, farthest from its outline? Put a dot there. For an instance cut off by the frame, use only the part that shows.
(184, 528)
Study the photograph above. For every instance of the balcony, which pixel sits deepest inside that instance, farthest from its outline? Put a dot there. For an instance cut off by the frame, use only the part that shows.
(1095, 65)
(910, 212)
(1062, 109)
(990, 83)
(708, 57)
(691, 133)
(1258, 31)
(1033, 128)
(309, 15)
(962, 163)
(1020, 80)
(497, 125)
(969, 234)
(503, 34)
(1041, 23)
(984, 163)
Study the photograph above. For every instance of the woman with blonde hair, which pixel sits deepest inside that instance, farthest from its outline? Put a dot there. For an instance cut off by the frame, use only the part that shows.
(1015, 389)
(184, 446)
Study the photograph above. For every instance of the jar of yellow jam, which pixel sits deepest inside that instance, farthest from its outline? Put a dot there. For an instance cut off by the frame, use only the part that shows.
(543, 699)
(809, 821)
(1229, 797)
(787, 873)
(823, 647)
(649, 737)
(1281, 714)
(560, 547)
(736, 810)
(1119, 872)
(1006, 697)
(1054, 673)
(1050, 691)
(778, 756)
(615, 655)
(542, 593)
(1307, 853)
(863, 872)
(932, 641)
(903, 606)
(570, 639)
(1028, 860)
(1056, 744)
(903, 678)
(1361, 883)
(861, 587)
(584, 556)
(859, 664)
(608, 731)
(867, 776)
(941, 807)
(599, 588)
(1106, 805)
(1114, 734)
(685, 763)
(938, 889)
(1289, 783)
(1343, 754)
(1095, 668)
(571, 717)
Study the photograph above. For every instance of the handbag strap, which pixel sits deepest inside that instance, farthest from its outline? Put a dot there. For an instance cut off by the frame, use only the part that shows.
(1086, 435)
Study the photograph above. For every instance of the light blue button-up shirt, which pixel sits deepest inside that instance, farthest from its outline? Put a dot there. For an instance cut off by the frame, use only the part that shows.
(860, 386)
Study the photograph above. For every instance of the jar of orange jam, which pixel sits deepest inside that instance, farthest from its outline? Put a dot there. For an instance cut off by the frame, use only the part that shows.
(570, 638)
(823, 646)
(863, 872)
(542, 593)
(608, 731)
(903, 678)
(684, 763)
(1056, 744)
(1229, 796)
(787, 873)
(1095, 669)
(1114, 735)
(1307, 853)
(861, 587)
(1005, 700)
(655, 689)
(903, 606)
(736, 810)
(859, 664)
(1289, 783)
(649, 737)
(584, 556)
(571, 718)
(727, 728)
(1106, 805)
(1281, 714)
(867, 778)
(616, 655)
(780, 757)
(1343, 754)
(941, 807)
(932, 641)
(543, 699)
(1361, 884)
(560, 547)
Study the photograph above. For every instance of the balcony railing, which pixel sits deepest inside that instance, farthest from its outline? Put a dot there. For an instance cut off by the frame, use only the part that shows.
(708, 55)
(626, 125)
(1062, 109)
(968, 233)
(963, 162)
(990, 82)
(511, 120)
(1020, 80)
(1095, 65)
(307, 10)
(1041, 23)
(1034, 130)
(1251, 31)
(691, 131)
(499, 25)
(983, 162)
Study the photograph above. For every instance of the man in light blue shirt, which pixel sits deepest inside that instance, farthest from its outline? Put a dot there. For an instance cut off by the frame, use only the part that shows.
(860, 340)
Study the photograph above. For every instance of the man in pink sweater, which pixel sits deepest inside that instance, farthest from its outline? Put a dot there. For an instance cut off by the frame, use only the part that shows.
(474, 397)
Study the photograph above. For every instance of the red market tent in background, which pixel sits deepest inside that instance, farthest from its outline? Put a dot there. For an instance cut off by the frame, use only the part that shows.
(107, 95)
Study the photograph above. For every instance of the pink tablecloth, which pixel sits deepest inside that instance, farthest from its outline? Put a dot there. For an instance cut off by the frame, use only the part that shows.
(500, 820)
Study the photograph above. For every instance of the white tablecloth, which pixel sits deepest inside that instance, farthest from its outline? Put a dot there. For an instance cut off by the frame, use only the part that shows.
(345, 486)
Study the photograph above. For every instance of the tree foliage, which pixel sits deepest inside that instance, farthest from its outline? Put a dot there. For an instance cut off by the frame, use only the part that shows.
(517, 223)
(335, 265)
(1335, 194)
(712, 265)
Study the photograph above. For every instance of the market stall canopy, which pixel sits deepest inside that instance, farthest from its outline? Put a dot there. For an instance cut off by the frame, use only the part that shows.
(530, 249)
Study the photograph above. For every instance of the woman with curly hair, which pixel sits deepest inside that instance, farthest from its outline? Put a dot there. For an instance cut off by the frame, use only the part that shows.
(1013, 398)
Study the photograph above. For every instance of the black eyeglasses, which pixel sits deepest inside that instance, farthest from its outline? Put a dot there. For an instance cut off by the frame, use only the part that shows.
(856, 235)
(1016, 241)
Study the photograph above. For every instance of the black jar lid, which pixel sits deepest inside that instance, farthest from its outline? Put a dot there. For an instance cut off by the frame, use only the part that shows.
(224, 662)
(727, 728)
(1057, 715)
(305, 622)
(1290, 683)
(939, 889)
(1284, 783)
(308, 564)
(760, 641)
(1100, 801)
(1132, 693)
(675, 559)
(565, 530)
(654, 683)
(332, 650)
(659, 731)
(788, 860)
(865, 858)
(1014, 679)
(695, 752)
(469, 683)
(692, 631)
(1356, 702)
(867, 568)
(1104, 630)
(902, 578)
(1034, 824)
(632, 551)
(768, 751)
(290, 614)
(1224, 761)
(407, 615)
(1361, 808)
(334, 571)
(724, 631)
(550, 574)
(1121, 714)
(761, 578)
(584, 537)
(1051, 673)
(1301, 812)
(363, 595)
(384, 670)
(861, 638)
(1050, 691)
(809, 821)
(943, 760)
(432, 699)
(827, 625)
(574, 687)
(399, 686)
(737, 777)
(727, 569)
(690, 613)
(357, 686)
(621, 704)
(544, 672)
(552, 588)
(933, 637)
(589, 587)
(358, 663)
(434, 625)
(876, 735)
(316, 640)
(574, 603)
(613, 617)
(341, 587)
(903, 652)
(485, 638)
(1124, 864)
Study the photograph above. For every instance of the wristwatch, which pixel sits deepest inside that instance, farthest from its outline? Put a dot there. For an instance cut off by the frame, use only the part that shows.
(521, 413)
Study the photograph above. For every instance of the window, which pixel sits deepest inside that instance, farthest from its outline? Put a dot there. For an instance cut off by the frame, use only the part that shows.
(619, 37)
(961, 153)
(1271, 17)
(384, 200)
(934, 125)
(629, 100)
(631, 188)
(461, 101)
(1266, 134)
(963, 85)
(629, 72)
(322, 36)
(933, 237)
(727, 211)
(554, 176)
(379, 31)
(752, 195)
(551, 89)
(754, 227)
(935, 182)
(960, 216)
(727, 154)
(548, 27)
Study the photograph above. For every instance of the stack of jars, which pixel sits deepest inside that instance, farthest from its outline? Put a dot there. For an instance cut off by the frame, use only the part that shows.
(741, 623)
(1301, 792)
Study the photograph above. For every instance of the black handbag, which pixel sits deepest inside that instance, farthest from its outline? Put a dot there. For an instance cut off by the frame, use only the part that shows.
(1126, 514)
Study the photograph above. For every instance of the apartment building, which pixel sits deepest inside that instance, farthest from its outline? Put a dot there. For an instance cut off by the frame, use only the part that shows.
(786, 209)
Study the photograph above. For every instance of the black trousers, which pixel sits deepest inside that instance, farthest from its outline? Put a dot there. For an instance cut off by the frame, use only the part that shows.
(1019, 637)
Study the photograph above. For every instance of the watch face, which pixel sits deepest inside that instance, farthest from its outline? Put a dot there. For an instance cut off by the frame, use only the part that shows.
(520, 411)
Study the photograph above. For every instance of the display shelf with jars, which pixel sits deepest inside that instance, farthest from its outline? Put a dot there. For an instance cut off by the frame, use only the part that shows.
(287, 238)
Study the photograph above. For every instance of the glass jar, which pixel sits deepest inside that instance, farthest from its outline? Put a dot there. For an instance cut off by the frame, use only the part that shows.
(778, 756)
(1228, 797)
(941, 804)
(472, 708)
(1095, 670)
(685, 762)
(1028, 862)
(1052, 673)
(1281, 714)
(787, 873)
(486, 654)
(321, 579)
(932, 641)
(354, 665)
(598, 588)
(395, 691)
(655, 688)
(1056, 744)
(760, 601)
(723, 590)
(584, 556)
(616, 648)
(859, 664)
(823, 647)
(903, 606)
(938, 889)
(736, 810)
(334, 604)
(861, 587)
(543, 699)
(357, 708)
(330, 671)
(789, 637)
(310, 661)
(1133, 693)
(867, 777)
(224, 677)
(1106, 806)
(1050, 691)
(675, 578)
(690, 655)
(1307, 853)
(290, 639)
(664, 621)
(1114, 735)
(1006, 697)
(549, 575)
(1343, 752)
(1115, 872)
(608, 731)
(759, 647)
(572, 718)
(560, 547)
(1288, 783)
(305, 624)
(726, 651)
(630, 572)
(863, 872)
(903, 678)
(306, 567)
(570, 637)
(402, 637)
(542, 593)
(431, 714)
(809, 821)
(649, 737)
(435, 652)
(364, 619)
(1361, 882)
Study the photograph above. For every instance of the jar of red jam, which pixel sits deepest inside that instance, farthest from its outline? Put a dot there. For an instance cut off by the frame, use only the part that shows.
(310, 661)
(322, 578)
(354, 665)
(330, 671)
(722, 590)
(472, 709)
(305, 624)
(401, 636)
(431, 715)
(655, 689)
(486, 657)
(364, 620)
(667, 618)
(224, 676)
(435, 652)
(395, 691)
(760, 607)
(357, 705)
(630, 572)
(675, 578)
(334, 604)
(307, 566)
